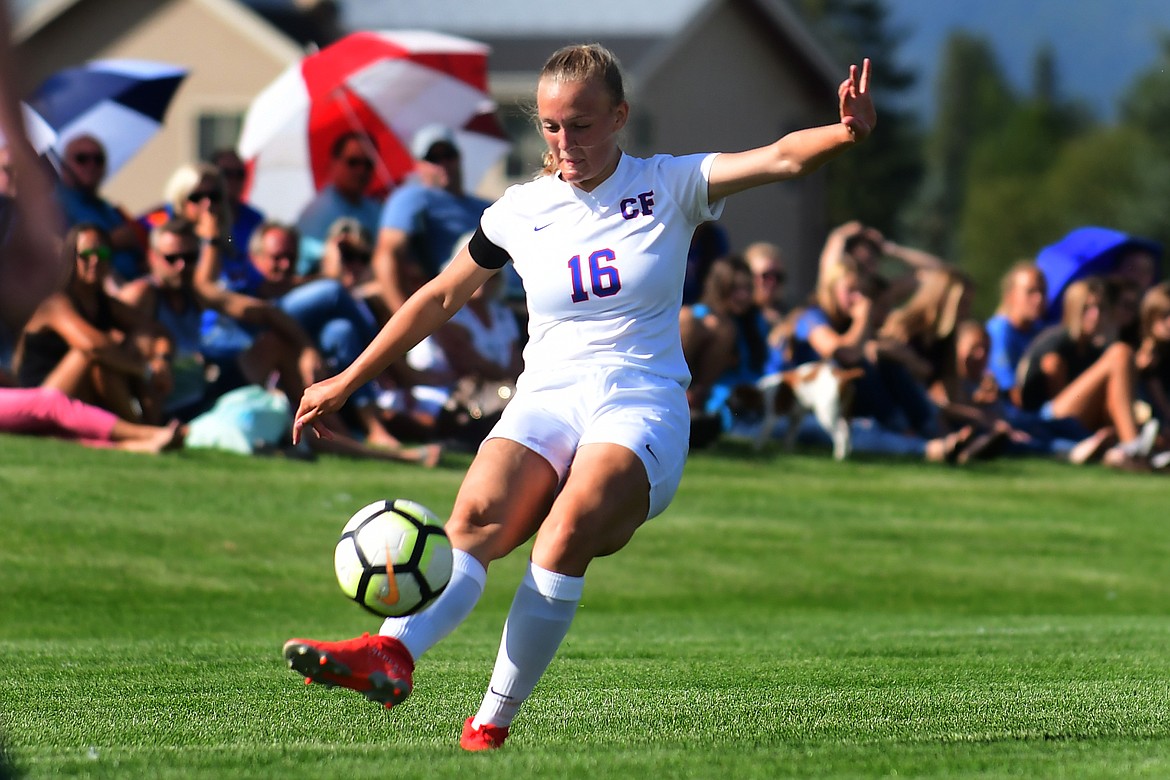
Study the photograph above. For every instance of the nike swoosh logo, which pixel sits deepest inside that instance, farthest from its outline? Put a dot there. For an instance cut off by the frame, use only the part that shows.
(652, 455)
(542, 227)
(497, 693)
(391, 597)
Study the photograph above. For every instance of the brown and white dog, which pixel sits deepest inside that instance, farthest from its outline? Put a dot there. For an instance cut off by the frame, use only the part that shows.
(821, 388)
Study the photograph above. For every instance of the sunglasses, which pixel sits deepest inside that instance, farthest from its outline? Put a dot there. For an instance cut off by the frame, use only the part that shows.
(89, 158)
(101, 253)
(196, 197)
(351, 255)
(773, 276)
(359, 162)
(188, 258)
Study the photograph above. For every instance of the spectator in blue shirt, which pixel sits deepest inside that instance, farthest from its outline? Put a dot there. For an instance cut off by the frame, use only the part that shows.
(83, 168)
(422, 221)
(1019, 318)
(353, 157)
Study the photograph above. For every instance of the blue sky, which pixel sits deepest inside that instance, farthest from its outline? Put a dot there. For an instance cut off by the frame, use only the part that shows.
(1100, 45)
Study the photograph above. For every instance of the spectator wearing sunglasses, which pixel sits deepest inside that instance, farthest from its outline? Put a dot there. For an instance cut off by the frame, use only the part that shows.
(83, 169)
(351, 171)
(768, 278)
(423, 219)
(92, 346)
(198, 193)
(228, 336)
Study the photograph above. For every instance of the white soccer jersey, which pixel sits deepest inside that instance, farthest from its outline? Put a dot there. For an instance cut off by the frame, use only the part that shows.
(603, 270)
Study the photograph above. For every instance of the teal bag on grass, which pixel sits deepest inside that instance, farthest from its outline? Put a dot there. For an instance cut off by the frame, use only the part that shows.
(244, 420)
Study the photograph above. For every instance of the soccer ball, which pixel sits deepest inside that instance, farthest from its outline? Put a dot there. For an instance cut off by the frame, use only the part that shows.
(393, 557)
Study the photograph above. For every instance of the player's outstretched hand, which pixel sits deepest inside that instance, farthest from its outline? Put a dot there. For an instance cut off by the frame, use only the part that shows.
(857, 111)
(320, 399)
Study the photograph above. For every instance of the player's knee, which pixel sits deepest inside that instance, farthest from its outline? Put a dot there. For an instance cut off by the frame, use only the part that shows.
(482, 533)
(569, 543)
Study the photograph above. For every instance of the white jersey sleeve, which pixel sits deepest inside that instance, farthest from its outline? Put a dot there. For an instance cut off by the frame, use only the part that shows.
(603, 270)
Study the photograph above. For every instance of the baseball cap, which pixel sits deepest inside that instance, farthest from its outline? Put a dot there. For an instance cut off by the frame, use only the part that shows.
(428, 136)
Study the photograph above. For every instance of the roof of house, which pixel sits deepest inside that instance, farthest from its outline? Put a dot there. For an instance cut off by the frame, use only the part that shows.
(532, 18)
(523, 32)
(36, 16)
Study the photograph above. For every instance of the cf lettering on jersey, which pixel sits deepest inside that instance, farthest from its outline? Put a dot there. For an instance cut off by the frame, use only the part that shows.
(642, 205)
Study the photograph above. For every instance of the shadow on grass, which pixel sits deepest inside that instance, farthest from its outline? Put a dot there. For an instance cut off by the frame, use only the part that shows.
(8, 768)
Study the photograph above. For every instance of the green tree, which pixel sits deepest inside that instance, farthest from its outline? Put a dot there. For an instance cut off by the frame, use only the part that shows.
(995, 170)
(972, 101)
(1146, 104)
(880, 178)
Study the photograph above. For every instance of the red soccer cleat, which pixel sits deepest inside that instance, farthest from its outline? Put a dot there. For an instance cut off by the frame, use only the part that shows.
(486, 737)
(378, 667)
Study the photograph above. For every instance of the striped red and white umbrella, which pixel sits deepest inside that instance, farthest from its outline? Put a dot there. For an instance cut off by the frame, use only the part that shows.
(389, 84)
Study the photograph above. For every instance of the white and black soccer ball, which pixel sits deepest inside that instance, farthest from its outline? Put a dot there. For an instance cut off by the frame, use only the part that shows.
(393, 557)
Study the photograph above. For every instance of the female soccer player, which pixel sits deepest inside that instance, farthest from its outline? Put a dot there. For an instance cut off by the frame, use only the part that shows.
(593, 443)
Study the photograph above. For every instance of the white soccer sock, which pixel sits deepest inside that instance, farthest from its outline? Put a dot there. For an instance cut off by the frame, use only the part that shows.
(537, 623)
(423, 630)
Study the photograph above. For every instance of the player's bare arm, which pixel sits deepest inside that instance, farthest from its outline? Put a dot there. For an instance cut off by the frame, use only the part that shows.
(803, 151)
(420, 316)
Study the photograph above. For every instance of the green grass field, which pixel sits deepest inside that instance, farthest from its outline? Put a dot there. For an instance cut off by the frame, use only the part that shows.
(788, 616)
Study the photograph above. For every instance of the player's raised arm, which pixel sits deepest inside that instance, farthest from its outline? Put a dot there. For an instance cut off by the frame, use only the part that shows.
(803, 151)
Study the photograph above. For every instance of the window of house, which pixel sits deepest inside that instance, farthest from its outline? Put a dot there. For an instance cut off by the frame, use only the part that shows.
(218, 130)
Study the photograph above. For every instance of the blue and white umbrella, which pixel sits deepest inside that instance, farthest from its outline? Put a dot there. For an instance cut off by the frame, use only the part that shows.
(119, 102)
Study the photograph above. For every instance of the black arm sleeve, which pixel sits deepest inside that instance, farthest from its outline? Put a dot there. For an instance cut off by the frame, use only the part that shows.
(485, 253)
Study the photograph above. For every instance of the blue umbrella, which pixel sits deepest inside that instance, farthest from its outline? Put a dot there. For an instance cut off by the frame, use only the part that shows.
(119, 102)
(1086, 251)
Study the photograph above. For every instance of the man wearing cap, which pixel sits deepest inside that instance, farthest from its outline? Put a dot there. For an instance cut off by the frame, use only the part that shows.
(422, 221)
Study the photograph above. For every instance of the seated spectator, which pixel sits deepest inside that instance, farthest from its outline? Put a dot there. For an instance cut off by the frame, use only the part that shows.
(83, 169)
(191, 190)
(348, 256)
(768, 277)
(425, 218)
(1153, 355)
(167, 296)
(1070, 372)
(244, 217)
(724, 339)
(972, 397)
(921, 333)
(1017, 321)
(92, 346)
(866, 247)
(351, 169)
(269, 341)
(46, 411)
(326, 311)
(839, 327)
